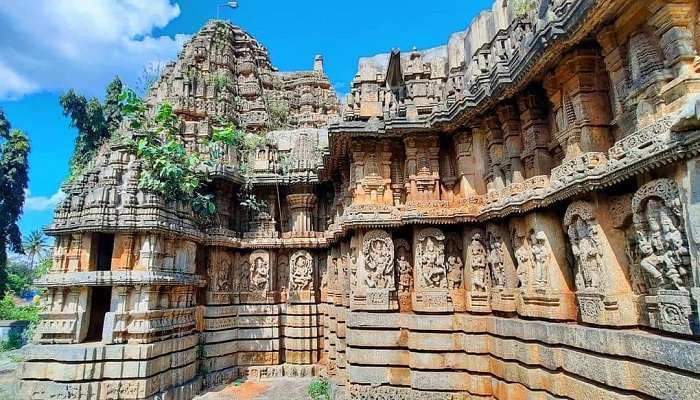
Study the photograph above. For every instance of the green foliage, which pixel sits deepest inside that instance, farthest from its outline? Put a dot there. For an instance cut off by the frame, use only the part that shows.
(220, 80)
(278, 112)
(14, 341)
(95, 122)
(522, 8)
(35, 246)
(13, 312)
(319, 389)
(21, 274)
(14, 167)
(168, 168)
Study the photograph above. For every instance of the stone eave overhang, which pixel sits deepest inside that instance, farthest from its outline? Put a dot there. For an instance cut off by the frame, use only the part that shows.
(119, 278)
(498, 84)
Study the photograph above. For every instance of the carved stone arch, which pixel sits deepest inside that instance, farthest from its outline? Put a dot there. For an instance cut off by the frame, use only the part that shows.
(665, 189)
(378, 252)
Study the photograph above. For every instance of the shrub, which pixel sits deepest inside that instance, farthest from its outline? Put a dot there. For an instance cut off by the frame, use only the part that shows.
(319, 389)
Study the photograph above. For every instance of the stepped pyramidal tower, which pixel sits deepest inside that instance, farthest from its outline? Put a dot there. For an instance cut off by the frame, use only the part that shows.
(513, 215)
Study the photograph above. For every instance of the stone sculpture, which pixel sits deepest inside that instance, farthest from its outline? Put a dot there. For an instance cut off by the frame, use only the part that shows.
(301, 271)
(477, 262)
(585, 245)
(431, 259)
(662, 244)
(259, 273)
(378, 251)
(495, 260)
(403, 265)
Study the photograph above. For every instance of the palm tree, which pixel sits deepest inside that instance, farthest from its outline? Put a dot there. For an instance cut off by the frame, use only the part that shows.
(35, 246)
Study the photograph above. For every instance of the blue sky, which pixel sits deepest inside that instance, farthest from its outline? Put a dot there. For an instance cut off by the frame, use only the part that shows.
(47, 47)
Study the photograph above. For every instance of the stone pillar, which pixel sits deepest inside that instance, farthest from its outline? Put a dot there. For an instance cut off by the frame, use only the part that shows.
(615, 60)
(672, 21)
(465, 163)
(578, 92)
(536, 138)
(497, 165)
(510, 122)
(301, 207)
(423, 168)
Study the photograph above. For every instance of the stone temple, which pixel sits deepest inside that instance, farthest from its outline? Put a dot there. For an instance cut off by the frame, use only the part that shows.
(513, 215)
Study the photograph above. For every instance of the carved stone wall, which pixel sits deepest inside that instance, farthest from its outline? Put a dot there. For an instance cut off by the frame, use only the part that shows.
(496, 218)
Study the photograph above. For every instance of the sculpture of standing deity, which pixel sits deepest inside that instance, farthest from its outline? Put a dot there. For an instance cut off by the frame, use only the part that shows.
(477, 261)
(582, 228)
(495, 260)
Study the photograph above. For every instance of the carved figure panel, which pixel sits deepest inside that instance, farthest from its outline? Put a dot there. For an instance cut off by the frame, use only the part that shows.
(378, 251)
(430, 259)
(662, 242)
(582, 230)
(495, 259)
(404, 265)
(260, 278)
(477, 262)
(455, 265)
(301, 271)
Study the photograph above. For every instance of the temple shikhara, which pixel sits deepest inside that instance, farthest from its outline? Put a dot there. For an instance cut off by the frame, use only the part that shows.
(513, 215)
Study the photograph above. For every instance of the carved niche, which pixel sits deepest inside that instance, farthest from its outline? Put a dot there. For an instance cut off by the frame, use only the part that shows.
(582, 229)
(477, 262)
(378, 251)
(495, 259)
(301, 269)
(403, 265)
(260, 271)
(532, 257)
(665, 257)
(431, 293)
(662, 242)
(430, 256)
(454, 263)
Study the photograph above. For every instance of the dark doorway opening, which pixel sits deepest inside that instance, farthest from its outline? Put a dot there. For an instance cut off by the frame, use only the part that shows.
(100, 301)
(105, 247)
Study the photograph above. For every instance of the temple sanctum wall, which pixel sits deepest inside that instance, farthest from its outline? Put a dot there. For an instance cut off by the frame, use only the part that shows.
(513, 215)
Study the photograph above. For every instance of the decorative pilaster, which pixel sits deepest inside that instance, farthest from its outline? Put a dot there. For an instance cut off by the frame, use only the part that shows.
(536, 138)
(509, 117)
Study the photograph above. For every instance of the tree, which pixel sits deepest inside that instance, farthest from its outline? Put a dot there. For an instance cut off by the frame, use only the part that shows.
(35, 246)
(94, 121)
(14, 167)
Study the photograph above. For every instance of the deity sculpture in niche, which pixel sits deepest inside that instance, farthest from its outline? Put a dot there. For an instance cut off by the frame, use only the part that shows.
(259, 271)
(244, 277)
(582, 230)
(455, 266)
(431, 259)
(378, 251)
(403, 265)
(301, 271)
(220, 278)
(495, 260)
(282, 271)
(540, 258)
(665, 258)
(523, 257)
(477, 262)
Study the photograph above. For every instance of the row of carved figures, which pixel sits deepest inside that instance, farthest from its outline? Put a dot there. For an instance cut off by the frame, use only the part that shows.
(660, 252)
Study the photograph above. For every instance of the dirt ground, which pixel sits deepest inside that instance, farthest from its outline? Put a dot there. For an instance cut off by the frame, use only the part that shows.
(282, 388)
(278, 389)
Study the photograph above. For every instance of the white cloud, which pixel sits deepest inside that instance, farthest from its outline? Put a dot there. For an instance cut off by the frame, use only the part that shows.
(60, 44)
(42, 203)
